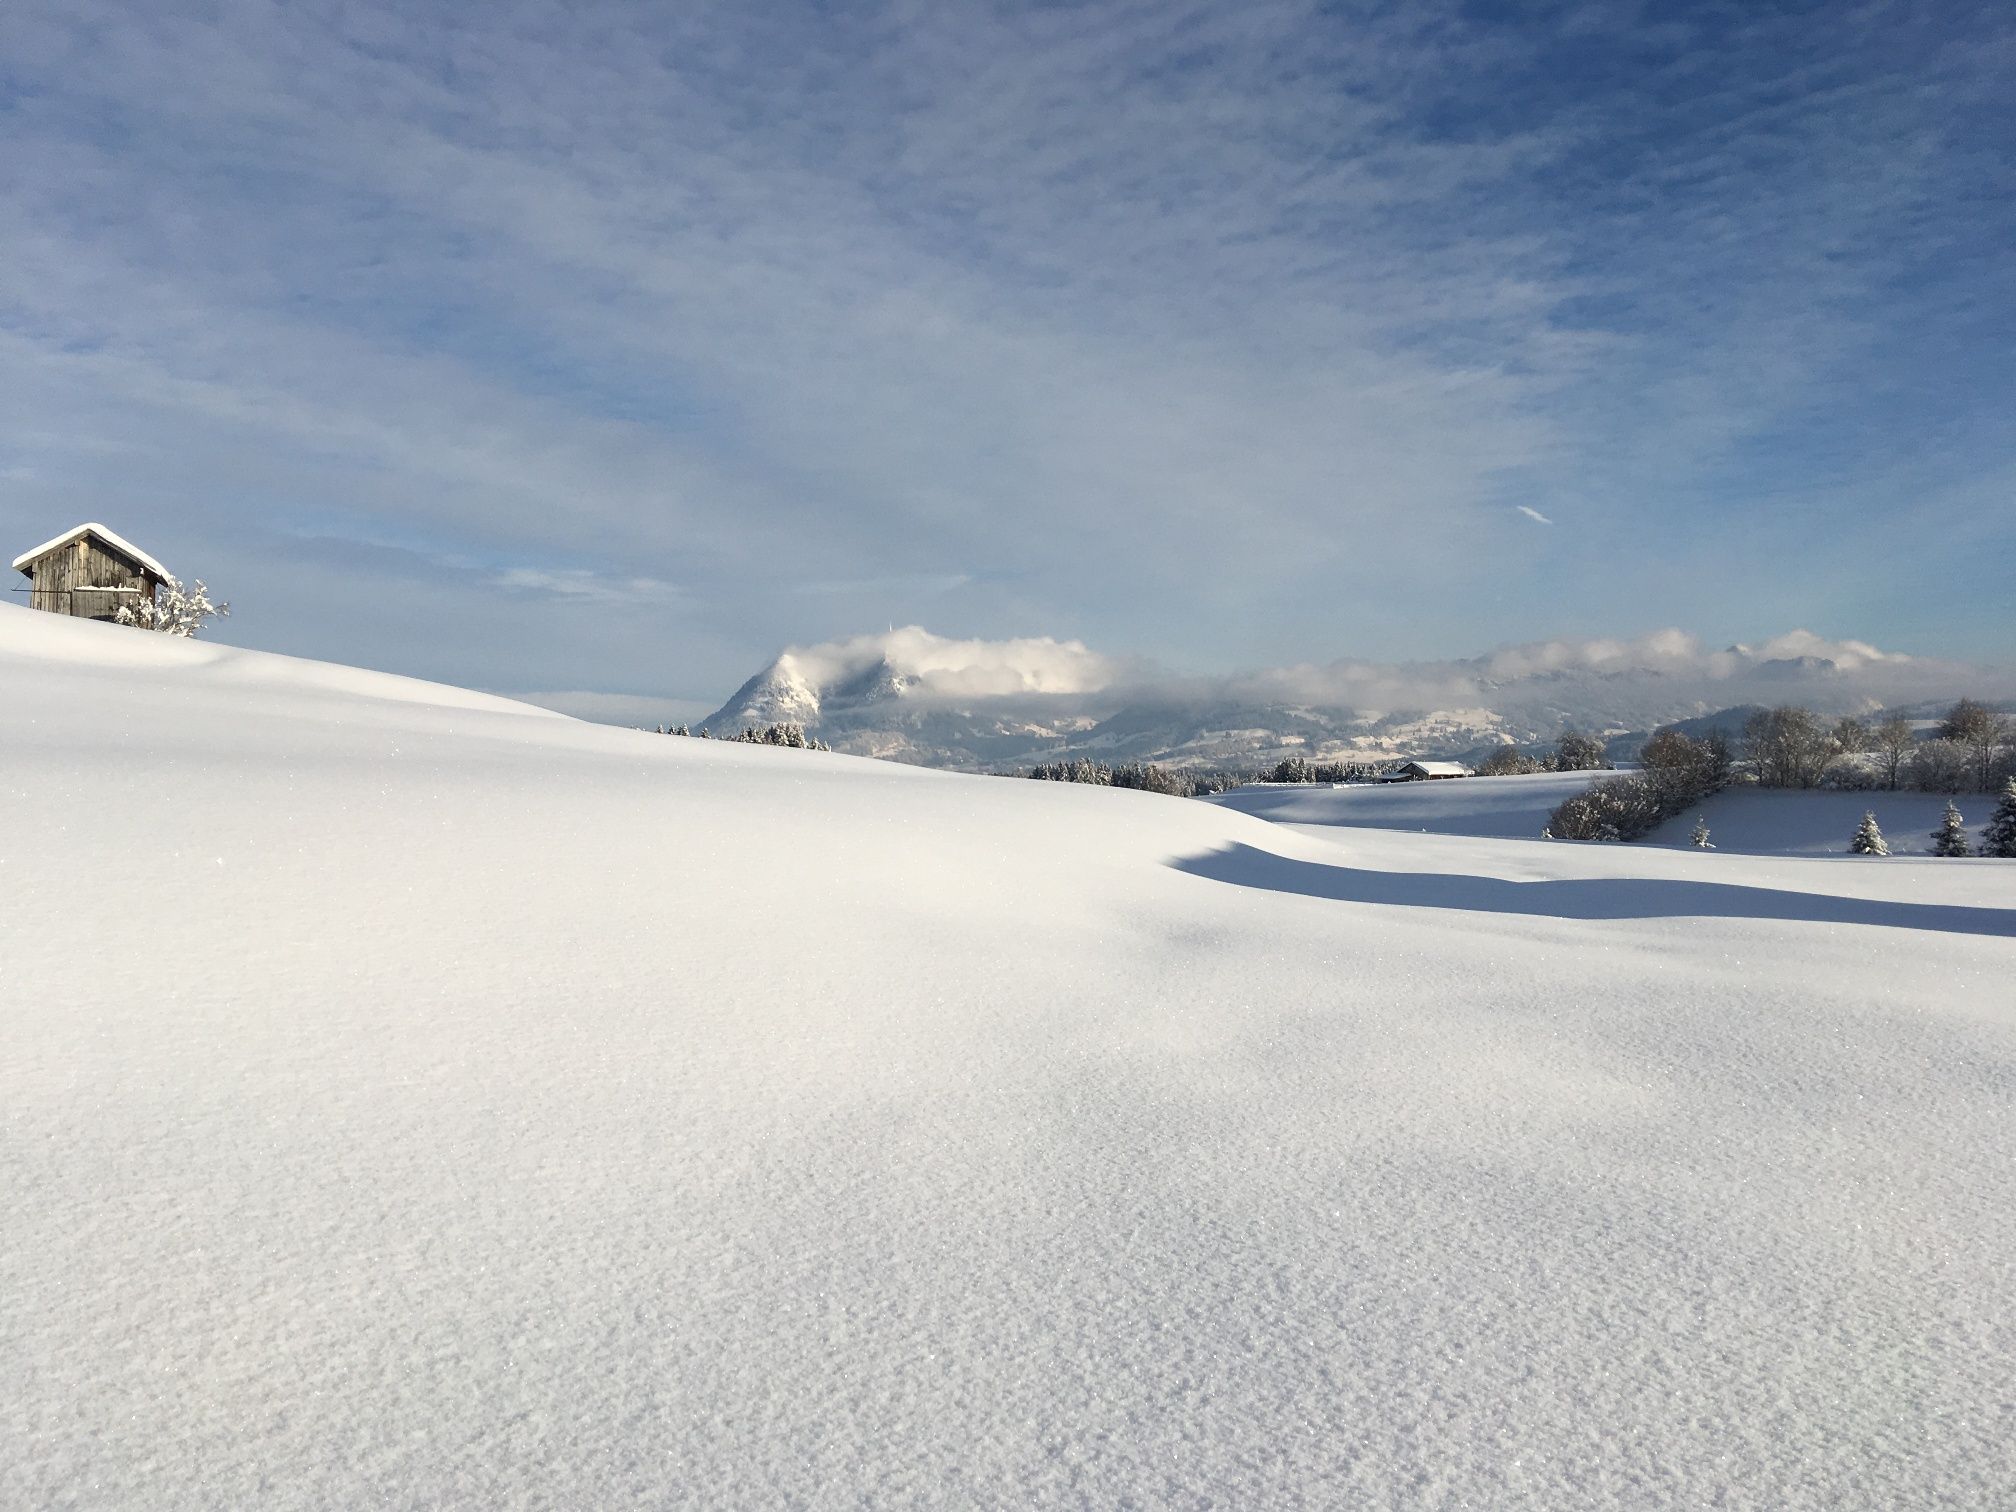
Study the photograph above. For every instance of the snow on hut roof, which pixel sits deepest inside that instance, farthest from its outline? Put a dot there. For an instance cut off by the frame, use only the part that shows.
(115, 541)
(1438, 768)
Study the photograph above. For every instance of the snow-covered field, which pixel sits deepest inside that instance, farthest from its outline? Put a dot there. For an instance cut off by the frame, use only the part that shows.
(1750, 821)
(1501, 808)
(413, 1099)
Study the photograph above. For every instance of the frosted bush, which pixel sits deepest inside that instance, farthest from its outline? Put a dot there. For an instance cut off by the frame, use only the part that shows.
(175, 610)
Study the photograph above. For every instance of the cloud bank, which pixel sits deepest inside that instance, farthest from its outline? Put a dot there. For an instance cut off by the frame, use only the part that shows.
(933, 666)
(1674, 665)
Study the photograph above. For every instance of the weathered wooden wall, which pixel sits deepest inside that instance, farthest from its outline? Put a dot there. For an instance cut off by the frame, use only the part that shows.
(63, 578)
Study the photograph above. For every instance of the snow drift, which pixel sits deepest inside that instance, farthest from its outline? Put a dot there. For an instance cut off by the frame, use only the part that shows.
(415, 1099)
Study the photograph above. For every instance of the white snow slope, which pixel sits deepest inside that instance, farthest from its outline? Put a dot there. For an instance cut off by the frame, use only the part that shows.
(411, 1100)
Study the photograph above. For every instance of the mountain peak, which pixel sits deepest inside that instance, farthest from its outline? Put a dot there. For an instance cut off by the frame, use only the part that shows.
(915, 696)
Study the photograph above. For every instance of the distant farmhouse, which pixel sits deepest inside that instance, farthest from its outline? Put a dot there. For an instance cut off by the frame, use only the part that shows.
(1427, 771)
(90, 573)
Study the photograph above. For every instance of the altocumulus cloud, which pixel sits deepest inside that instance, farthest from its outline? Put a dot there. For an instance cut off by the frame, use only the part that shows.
(1226, 331)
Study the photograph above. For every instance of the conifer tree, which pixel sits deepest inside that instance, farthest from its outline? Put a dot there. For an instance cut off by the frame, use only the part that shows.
(1999, 839)
(1699, 839)
(1869, 839)
(1950, 839)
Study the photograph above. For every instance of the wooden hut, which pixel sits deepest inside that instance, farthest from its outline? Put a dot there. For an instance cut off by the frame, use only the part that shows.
(89, 572)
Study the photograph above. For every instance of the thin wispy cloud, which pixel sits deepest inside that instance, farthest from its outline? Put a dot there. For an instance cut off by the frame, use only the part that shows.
(1226, 333)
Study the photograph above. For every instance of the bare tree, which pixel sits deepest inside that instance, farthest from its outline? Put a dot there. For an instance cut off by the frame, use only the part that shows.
(1940, 765)
(1968, 720)
(1892, 741)
(1983, 732)
(1790, 747)
(1985, 742)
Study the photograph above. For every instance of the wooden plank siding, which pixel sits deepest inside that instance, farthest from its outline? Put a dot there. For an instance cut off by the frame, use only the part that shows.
(61, 581)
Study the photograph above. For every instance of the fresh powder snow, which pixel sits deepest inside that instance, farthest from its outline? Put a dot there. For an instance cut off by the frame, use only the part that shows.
(415, 1099)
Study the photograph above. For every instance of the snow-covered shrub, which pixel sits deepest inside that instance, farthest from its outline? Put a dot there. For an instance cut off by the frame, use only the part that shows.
(1999, 839)
(174, 610)
(1699, 839)
(1576, 752)
(1679, 771)
(1868, 840)
(1851, 773)
(1950, 839)
(1618, 808)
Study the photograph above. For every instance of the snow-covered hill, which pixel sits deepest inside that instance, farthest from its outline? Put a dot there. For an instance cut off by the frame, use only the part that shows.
(412, 1099)
(988, 705)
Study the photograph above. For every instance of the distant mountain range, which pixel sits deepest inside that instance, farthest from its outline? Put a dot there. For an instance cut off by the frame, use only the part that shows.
(998, 705)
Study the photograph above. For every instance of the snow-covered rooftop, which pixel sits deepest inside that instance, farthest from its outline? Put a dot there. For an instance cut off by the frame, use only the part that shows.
(111, 538)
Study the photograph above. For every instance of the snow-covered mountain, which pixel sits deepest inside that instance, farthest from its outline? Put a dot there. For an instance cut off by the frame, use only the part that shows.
(917, 697)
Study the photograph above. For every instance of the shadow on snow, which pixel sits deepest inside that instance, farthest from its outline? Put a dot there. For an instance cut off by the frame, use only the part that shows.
(1582, 898)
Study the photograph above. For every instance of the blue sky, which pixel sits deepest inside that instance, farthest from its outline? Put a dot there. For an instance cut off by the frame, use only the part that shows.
(615, 347)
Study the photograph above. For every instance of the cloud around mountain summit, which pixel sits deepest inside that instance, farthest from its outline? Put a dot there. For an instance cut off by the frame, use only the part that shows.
(923, 667)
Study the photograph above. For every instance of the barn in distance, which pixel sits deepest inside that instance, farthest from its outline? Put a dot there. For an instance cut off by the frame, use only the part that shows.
(89, 572)
(1427, 771)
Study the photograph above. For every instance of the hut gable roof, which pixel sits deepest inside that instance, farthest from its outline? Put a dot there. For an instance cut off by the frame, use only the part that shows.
(105, 538)
(1437, 768)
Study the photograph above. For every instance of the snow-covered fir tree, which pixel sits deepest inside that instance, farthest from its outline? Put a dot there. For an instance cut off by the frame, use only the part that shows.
(175, 610)
(1699, 839)
(1869, 839)
(1950, 839)
(1999, 839)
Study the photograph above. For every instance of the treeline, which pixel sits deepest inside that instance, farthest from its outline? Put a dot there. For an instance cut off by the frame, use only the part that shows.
(792, 735)
(1150, 778)
(1143, 777)
(1573, 752)
(1972, 750)
(1302, 769)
